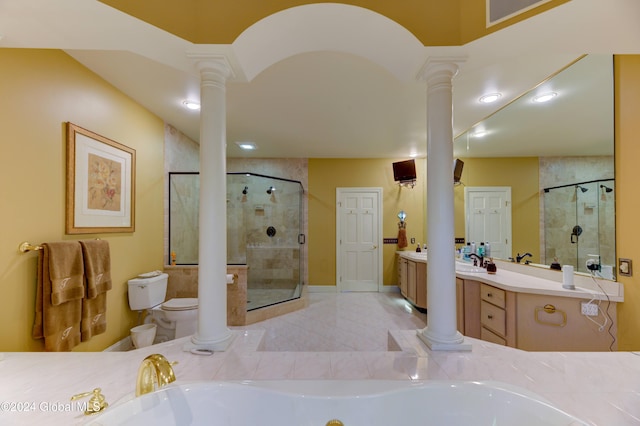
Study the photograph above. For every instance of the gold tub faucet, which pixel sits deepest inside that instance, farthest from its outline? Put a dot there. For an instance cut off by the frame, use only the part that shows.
(154, 372)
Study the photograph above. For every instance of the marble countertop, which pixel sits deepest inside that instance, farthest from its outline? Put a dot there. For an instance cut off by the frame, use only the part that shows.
(601, 388)
(525, 279)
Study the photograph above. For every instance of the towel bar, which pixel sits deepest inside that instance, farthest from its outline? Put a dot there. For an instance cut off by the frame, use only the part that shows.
(26, 247)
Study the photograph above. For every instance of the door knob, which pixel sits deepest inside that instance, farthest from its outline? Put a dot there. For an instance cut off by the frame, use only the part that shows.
(375, 247)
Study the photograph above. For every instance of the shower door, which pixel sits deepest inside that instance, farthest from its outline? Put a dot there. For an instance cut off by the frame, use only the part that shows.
(264, 231)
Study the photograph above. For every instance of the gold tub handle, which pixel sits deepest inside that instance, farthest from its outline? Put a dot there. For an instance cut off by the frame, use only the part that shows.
(550, 309)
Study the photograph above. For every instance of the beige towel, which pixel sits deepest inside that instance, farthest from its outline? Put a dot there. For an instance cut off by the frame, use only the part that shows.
(97, 265)
(58, 300)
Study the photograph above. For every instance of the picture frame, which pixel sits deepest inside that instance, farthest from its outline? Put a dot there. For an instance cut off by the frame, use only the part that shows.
(101, 175)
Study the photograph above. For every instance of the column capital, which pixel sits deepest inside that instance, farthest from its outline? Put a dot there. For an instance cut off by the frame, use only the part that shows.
(212, 62)
(438, 65)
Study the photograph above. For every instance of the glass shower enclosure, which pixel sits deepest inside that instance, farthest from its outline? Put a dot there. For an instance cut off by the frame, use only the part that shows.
(579, 226)
(264, 231)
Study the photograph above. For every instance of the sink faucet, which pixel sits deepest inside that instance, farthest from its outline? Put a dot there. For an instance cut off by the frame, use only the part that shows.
(155, 371)
(520, 257)
(477, 258)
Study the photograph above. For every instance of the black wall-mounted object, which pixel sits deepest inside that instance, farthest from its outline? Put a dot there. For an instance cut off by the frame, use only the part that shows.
(458, 164)
(404, 171)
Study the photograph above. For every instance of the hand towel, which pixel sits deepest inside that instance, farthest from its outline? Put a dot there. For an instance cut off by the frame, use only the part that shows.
(66, 271)
(97, 265)
(58, 323)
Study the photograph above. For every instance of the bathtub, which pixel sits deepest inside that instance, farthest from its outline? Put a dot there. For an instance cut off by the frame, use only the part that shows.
(352, 402)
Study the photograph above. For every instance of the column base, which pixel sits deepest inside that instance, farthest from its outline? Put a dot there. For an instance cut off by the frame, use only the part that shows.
(457, 344)
(196, 345)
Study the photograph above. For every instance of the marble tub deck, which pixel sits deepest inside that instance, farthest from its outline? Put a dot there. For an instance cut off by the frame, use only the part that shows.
(600, 388)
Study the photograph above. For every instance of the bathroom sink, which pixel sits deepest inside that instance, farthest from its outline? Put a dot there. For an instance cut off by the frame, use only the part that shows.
(468, 268)
(353, 402)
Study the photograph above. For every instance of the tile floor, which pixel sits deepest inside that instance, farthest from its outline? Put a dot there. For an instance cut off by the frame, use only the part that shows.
(336, 322)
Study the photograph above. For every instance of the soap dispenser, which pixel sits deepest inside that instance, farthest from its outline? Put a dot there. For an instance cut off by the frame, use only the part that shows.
(418, 248)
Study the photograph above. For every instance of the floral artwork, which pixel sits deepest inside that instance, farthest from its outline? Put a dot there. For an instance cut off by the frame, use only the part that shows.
(104, 184)
(101, 182)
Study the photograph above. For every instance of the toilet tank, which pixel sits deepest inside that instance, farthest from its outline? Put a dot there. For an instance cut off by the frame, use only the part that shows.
(145, 293)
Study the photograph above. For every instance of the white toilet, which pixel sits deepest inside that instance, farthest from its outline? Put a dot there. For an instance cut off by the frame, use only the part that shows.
(174, 318)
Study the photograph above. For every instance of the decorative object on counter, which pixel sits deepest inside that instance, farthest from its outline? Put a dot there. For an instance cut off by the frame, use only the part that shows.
(418, 249)
(567, 277)
(402, 230)
(96, 403)
(555, 265)
(101, 177)
(491, 267)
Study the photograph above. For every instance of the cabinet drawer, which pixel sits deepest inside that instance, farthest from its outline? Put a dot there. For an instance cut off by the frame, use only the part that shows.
(489, 336)
(493, 295)
(493, 318)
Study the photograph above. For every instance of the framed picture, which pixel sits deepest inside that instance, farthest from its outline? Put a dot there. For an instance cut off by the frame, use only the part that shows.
(101, 176)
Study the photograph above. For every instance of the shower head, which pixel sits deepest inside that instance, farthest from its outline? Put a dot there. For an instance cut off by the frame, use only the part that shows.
(606, 188)
(582, 188)
(270, 190)
(245, 190)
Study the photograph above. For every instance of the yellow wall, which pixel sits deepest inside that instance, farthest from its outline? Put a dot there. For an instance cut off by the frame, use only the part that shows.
(325, 175)
(627, 153)
(41, 90)
(521, 174)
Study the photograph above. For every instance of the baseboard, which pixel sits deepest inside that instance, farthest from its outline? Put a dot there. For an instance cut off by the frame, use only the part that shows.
(322, 288)
(334, 289)
(123, 345)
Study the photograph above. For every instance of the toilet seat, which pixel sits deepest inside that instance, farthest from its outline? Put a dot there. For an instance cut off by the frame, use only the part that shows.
(180, 304)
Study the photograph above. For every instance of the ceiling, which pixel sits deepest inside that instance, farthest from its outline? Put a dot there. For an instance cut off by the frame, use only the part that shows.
(349, 95)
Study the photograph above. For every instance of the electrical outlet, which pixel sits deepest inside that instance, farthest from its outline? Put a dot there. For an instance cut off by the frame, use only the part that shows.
(413, 241)
(589, 309)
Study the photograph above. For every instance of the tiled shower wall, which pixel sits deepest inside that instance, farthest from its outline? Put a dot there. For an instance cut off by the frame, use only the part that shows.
(595, 209)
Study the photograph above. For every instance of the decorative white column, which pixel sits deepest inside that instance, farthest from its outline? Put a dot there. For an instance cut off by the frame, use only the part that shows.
(212, 333)
(441, 331)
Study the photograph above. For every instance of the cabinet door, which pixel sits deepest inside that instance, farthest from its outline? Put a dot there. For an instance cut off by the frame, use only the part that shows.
(549, 330)
(411, 280)
(402, 275)
(421, 285)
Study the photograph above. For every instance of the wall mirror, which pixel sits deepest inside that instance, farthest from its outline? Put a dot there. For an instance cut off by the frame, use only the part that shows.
(571, 136)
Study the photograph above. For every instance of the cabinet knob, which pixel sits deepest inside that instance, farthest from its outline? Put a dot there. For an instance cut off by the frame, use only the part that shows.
(490, 316)
(489, 294)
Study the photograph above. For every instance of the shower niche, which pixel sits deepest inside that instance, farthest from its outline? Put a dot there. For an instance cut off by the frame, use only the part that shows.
(579, 226)
(264, 231)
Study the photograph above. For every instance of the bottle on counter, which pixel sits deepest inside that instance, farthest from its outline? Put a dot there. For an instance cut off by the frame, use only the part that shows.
(473, 247)
(418, 250)
(466, 251)
(487, 249)
(481, 250)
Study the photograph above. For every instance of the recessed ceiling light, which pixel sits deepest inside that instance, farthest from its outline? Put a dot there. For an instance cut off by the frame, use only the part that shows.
(193, 105)
(545, 97)
(247, 146)
(491, 97)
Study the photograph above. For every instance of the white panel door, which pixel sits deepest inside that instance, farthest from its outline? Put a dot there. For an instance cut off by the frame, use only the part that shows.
(358, 239)
(488, 218)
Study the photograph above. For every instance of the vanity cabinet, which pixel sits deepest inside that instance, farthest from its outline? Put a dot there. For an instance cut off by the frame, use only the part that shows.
(532, 322)
(412, 279)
